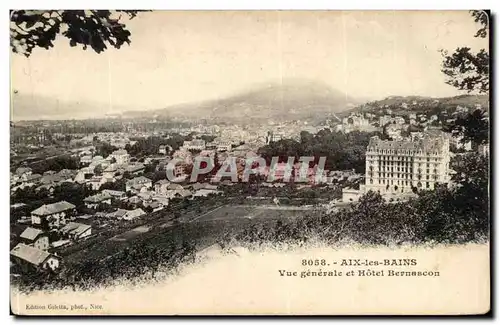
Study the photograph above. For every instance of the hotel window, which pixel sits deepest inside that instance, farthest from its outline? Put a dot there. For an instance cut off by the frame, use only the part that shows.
(427, 184)
(371, 181)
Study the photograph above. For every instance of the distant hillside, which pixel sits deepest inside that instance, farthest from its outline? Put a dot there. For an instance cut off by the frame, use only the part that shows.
(404, 105)
(292, 99)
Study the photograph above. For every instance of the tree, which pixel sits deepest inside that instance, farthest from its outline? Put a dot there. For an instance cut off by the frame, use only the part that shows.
(472, 173)
(94, 28)
(465, 69)
(473, 127)
(104, 149)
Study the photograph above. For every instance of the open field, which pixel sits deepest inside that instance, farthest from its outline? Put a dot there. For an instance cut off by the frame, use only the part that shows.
(203, 229)
(232, 212)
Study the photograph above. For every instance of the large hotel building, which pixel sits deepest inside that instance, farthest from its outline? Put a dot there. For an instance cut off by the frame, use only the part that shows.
(398, 166)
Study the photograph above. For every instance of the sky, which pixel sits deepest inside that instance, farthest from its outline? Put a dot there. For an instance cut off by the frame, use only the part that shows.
(180, 57)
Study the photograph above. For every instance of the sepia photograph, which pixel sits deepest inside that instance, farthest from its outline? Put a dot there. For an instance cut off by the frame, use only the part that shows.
(266, 162)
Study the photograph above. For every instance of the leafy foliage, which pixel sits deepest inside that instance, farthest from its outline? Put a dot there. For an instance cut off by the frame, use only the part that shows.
(473, 127)
(95, 28)
(465, 69)
(56, 164)
(342, 151)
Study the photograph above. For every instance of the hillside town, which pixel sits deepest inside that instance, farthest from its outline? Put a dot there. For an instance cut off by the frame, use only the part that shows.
(68, 188)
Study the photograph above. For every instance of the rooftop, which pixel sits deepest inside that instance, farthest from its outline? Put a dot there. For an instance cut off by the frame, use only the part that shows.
(31, 233)
(30, 254)
(99, 197)
(75, 228)
(138, 180)
(425, 144)
(48, 209)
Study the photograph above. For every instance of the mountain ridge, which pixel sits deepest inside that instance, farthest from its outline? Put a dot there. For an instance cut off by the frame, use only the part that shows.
(296, 97)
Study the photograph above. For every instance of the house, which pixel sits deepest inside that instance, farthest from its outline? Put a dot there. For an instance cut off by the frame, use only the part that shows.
(51, 179)
(134, 201)
(224, 146)
(179, 193)
(76, 231)
(117, 195)
(135, 169)
(23, 171)
(146, 196)
(83, 175)
(94, 201)
(178, 170)
(84, 218)
(98, 161)
(110, 171)
(162, 200)
(153, 205)
(49, 188)
(118, 214)
(35, 237)
(29, 257)
(32, 178)
(138, 184)
(52, 215)
(133, 214)
(60, 243)
(196, 144)
(85, 160)
(121, 156)
(163, 149)
(161, 187)
(95, 182)
(341, 175)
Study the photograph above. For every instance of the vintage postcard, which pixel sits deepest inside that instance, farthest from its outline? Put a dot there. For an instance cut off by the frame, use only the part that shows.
(249, 162)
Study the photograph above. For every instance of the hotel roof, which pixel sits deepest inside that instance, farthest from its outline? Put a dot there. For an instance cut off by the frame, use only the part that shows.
(425, 144)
